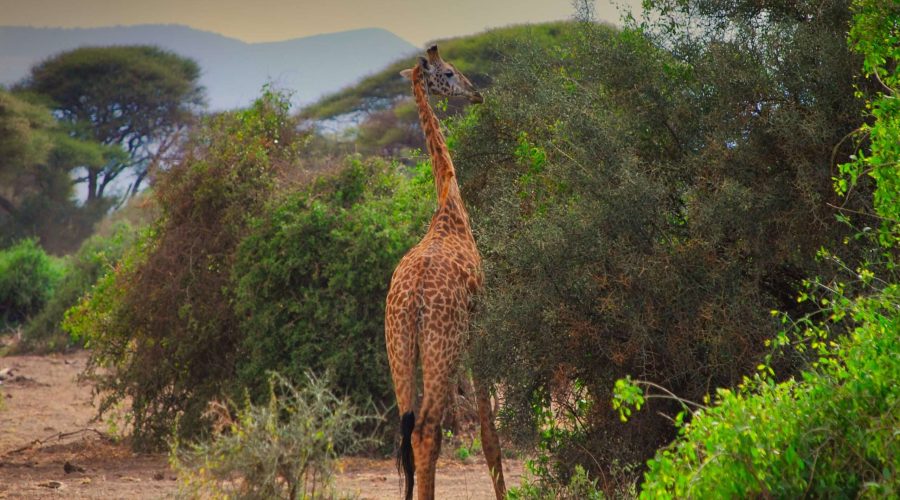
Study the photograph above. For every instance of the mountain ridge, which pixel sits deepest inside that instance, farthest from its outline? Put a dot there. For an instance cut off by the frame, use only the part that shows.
(233, 71)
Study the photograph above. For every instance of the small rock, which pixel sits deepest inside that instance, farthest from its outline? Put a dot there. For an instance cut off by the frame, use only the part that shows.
(159, 476)
(51, 484)
(69, 468)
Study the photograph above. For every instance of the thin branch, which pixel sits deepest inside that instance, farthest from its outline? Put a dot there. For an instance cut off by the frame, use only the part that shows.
(8, 206)
(59, 436)
(670, 394)
(858, 212)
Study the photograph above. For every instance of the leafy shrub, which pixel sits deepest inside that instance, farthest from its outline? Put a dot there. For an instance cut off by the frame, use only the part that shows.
(311, 278)
(579, 487)
(829, 433)
(28, 278)
(37, 159)
(162, 330)
(643, 198)
(832, 431)
(284, 449)
(95, 258)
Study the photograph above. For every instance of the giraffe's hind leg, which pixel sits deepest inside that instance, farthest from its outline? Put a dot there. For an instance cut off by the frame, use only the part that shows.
(400, 338)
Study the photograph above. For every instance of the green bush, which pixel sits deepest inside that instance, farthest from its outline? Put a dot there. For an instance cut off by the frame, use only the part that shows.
(97, 256)
(162, 331)
(28, 278)
(831, 432)
(284, 449)
(579, 487)
(643, 198)
(311, 278)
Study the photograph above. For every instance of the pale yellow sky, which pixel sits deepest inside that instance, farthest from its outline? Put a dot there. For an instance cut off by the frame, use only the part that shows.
(271, 20)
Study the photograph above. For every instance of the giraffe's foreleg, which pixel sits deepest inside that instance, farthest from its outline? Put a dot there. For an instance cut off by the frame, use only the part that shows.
(490, 441)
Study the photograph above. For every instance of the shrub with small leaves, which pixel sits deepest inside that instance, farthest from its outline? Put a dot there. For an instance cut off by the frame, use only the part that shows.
(579, 487)
(284, 449)
(829, 433)
(97, 256)
(311, 278)
(162, 330)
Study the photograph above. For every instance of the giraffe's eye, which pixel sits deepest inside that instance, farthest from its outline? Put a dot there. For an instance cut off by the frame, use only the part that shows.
(449, 74)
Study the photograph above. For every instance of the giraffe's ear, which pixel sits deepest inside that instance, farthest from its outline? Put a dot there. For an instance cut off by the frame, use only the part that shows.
(406, 73)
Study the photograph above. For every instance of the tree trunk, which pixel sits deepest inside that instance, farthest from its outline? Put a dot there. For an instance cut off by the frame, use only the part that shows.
(8, 206)
(92, 184)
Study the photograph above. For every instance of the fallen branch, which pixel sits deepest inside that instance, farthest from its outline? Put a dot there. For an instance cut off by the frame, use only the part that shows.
(59, 436)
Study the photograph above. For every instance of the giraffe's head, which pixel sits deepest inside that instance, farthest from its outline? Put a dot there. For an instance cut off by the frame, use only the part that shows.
(442, 79)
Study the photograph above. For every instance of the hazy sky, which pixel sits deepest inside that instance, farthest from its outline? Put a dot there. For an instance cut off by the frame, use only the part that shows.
(270, 20)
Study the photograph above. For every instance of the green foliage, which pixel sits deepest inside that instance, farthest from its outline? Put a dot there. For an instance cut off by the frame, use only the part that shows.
(579, 487)
(37, 158)
(643, 198)
(627, 396)
(122, 96)
(23, 134)
(311, 278)
(828, 433)
(162, 330)
(466, 450)
(28, 278)
(284, 449)
(875, 34)
(463, 453)
(96, 257)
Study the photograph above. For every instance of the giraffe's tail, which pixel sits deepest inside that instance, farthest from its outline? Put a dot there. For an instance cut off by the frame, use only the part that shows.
(405, 454)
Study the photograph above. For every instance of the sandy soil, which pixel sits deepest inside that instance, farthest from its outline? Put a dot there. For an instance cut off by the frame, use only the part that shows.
(51, 448)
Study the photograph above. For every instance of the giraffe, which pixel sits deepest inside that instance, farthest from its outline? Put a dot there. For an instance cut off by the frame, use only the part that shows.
(431, 298)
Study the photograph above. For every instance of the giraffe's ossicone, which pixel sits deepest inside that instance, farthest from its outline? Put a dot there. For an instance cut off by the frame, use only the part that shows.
(430, 300)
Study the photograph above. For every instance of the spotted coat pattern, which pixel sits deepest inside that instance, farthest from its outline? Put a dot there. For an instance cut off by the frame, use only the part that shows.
(431, 296)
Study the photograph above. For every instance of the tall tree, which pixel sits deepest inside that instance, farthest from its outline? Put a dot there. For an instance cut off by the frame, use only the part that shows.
(136, 97)
(24, 141)
(37, 157)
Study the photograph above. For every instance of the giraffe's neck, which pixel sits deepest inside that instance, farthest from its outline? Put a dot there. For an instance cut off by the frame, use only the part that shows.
(441, 164)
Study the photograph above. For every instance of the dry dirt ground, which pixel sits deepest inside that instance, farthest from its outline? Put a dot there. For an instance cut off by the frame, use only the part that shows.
(50, 448)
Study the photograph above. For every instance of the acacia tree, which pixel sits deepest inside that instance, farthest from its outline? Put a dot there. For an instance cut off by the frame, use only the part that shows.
(36, 159)
(23, 141)
(136, 97)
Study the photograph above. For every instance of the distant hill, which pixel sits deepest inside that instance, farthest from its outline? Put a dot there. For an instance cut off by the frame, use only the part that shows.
(377, 115)
(233, 71)
(478, 56)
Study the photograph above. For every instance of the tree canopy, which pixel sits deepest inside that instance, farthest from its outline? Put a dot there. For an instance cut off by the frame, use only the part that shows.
(36, 161)
(136, 97)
